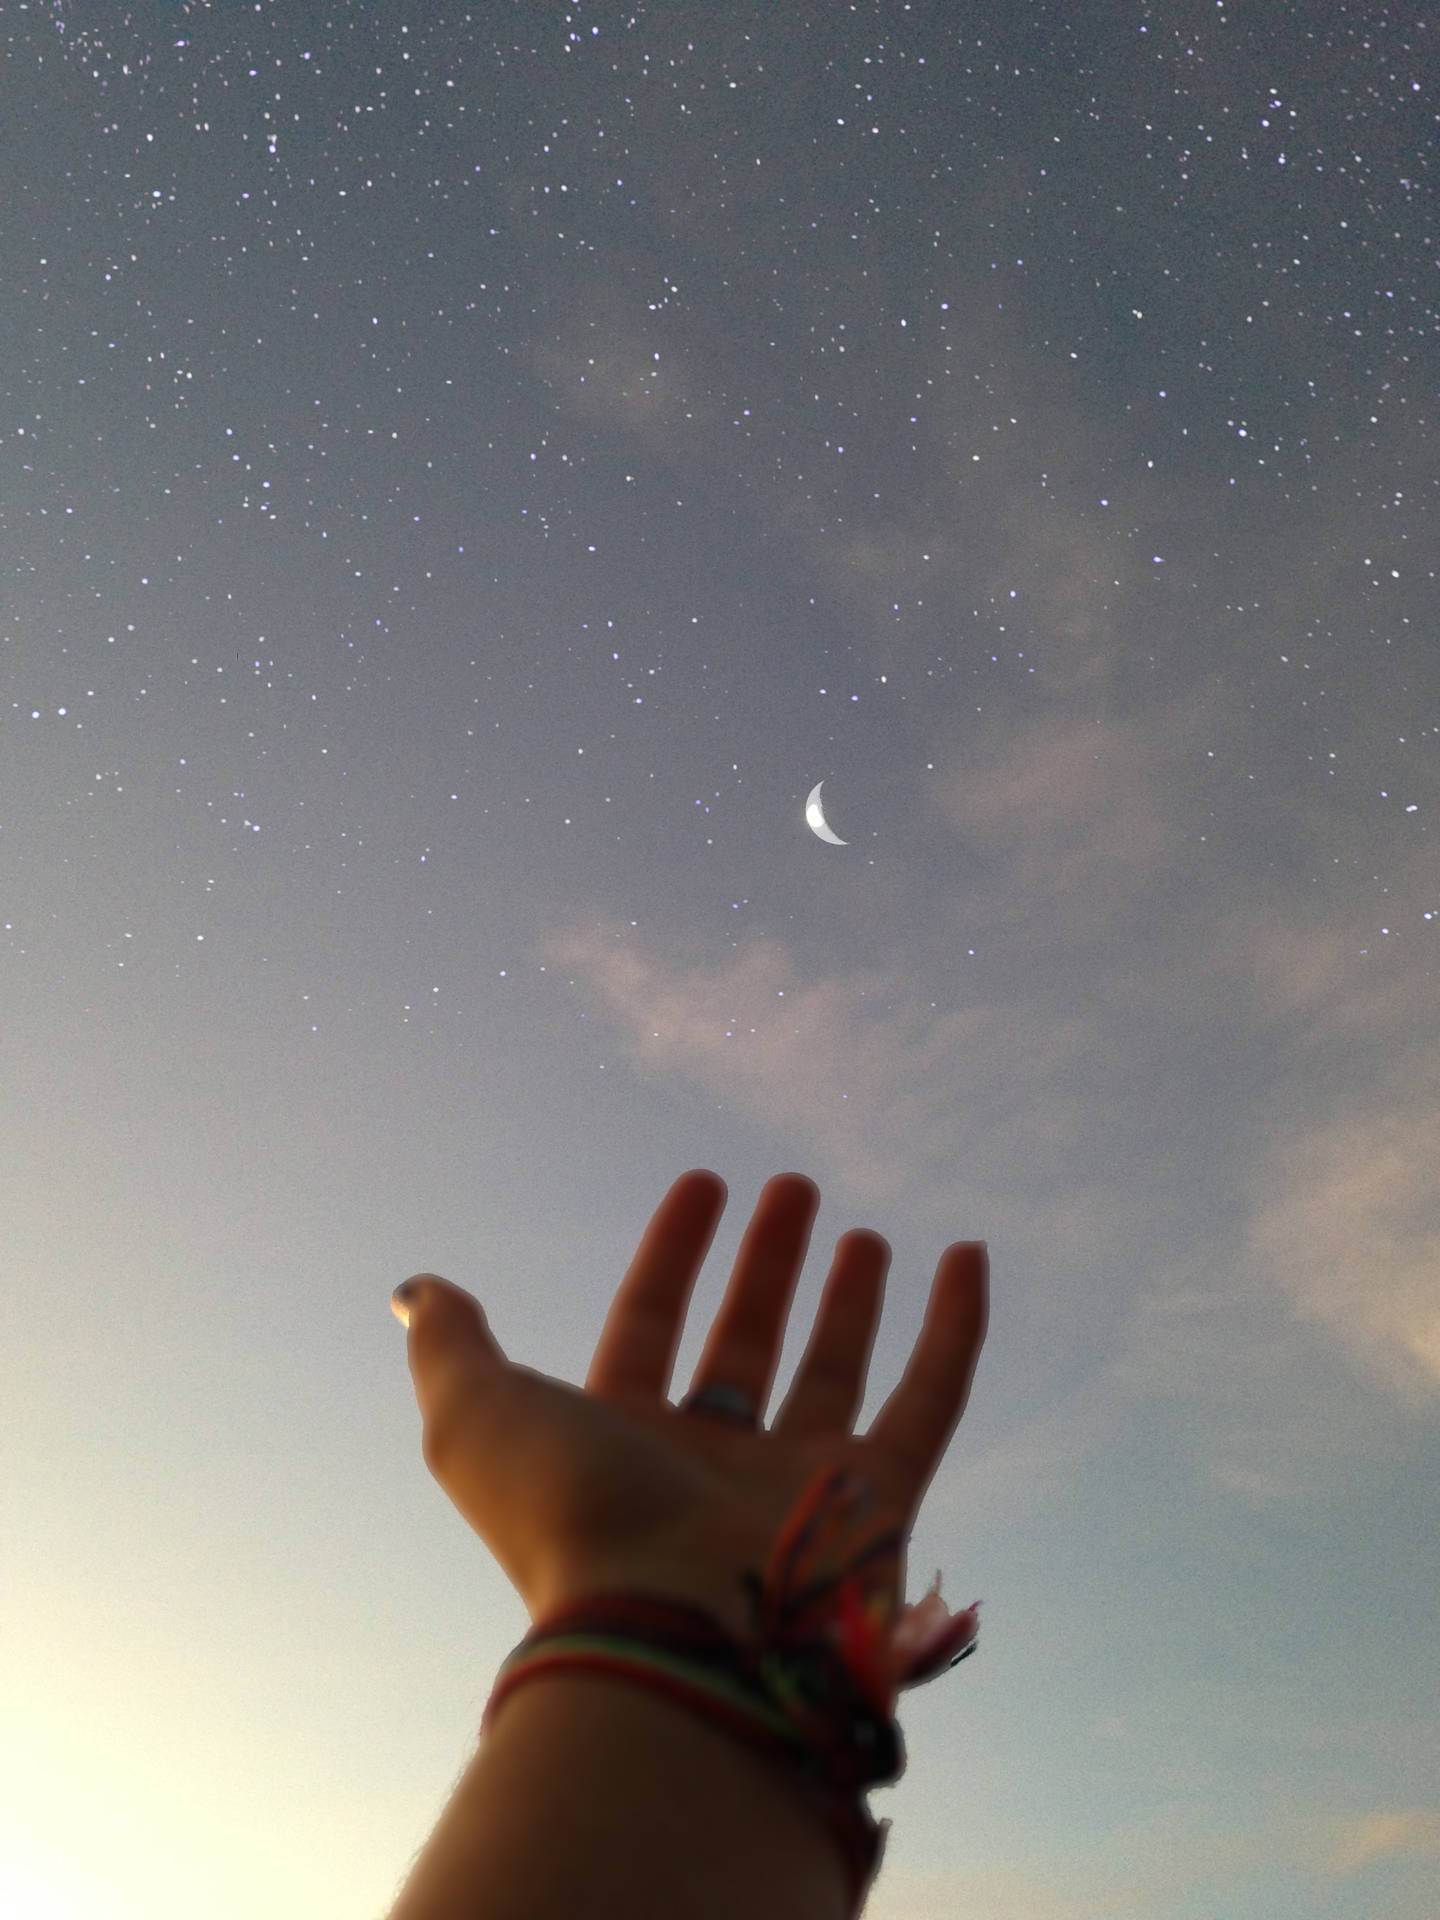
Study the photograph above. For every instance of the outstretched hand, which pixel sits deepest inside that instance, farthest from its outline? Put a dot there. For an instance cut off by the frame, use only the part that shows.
(613, 1487)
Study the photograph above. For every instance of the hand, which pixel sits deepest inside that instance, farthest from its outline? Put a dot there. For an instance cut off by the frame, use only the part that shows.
(610, 1488)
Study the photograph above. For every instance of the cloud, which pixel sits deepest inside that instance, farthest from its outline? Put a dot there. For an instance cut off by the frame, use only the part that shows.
(1343, 1201)
(1347, 1223)
(855, 1065)
(1410, 1832)
(1076, 807)
(612, 365)
(907, 1101)
(1185, 1078)
(1160, 1863)
(998, 1891)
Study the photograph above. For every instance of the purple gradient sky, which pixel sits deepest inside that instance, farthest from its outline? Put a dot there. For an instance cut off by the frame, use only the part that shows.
(467, 474)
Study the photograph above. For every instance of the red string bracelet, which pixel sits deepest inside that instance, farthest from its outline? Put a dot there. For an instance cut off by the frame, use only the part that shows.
(816, 1684)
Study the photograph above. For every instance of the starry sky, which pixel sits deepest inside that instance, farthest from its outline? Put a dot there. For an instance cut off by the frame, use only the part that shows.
(467, 474)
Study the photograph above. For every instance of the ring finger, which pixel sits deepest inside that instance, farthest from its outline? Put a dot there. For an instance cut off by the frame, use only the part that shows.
(829, 1385)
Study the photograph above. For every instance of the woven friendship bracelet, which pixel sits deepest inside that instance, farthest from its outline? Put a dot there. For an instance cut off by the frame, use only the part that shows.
(817, 1683)
(595, 1637)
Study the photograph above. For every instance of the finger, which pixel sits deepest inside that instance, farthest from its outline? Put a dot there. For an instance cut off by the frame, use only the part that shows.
(914, 1426)
(453, 1355)
(743, 1347)
(829, 1384)
(636, 1349)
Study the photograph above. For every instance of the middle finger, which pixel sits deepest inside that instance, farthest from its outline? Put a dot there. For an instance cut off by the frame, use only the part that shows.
(743, 1347)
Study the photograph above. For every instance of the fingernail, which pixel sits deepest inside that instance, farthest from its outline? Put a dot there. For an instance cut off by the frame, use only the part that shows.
(401, 1300)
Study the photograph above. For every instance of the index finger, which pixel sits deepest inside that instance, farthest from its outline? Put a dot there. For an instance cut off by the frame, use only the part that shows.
(636, 1349)
(914, 1426)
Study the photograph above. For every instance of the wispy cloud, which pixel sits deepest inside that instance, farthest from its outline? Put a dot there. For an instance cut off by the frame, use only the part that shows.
(1054, 1099)
(614, 364)
(1399, 1833)
(1162, 1865)
(1083, 820)
(853, 1065)
(999, 1892)
(1347, 1221)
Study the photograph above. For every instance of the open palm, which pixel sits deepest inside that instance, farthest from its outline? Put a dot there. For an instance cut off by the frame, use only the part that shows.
(613, 1487)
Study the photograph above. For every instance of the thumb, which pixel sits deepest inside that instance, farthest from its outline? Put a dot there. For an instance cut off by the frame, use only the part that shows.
(450, 1347)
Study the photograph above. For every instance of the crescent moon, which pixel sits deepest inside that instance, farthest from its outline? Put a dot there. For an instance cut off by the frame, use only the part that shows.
(816, 821)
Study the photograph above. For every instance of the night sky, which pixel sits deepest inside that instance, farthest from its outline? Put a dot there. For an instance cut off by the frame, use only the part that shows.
(467, 474)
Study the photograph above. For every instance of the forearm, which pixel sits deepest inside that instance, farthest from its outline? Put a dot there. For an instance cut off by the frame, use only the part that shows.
(593, 1799)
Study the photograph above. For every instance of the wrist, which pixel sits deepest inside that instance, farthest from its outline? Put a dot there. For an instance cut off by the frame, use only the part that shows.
(590, 1795)
(800, 1710)
(715, 1574)
(725, 1599)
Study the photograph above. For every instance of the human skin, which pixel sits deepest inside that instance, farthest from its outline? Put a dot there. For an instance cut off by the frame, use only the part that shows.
(592, 1799)
(612, 1488)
